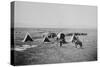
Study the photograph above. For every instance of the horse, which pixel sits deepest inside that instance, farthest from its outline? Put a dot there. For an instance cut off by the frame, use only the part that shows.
(61, 38)
(77, 42)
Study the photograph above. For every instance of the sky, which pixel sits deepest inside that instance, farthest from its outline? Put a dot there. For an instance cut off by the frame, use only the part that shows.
(48, 15)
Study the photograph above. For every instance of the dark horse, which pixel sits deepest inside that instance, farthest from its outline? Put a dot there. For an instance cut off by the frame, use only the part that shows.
(62, 39)
(77, 42)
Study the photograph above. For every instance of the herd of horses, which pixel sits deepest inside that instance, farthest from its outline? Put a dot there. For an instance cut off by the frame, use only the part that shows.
(60, 38)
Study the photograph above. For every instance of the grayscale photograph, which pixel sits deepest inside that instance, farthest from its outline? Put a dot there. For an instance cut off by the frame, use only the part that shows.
(50, 33)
